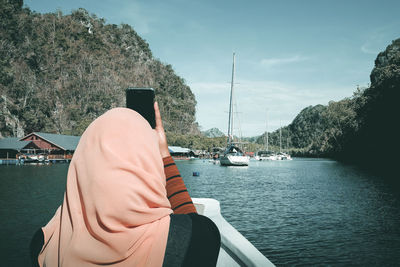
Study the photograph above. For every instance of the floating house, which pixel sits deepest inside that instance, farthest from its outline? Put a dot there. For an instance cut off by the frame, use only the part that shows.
(10, 147)
(53, 146)
(57, 146)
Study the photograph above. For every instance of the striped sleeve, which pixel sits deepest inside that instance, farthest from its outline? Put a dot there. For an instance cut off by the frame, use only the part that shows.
(177, 193)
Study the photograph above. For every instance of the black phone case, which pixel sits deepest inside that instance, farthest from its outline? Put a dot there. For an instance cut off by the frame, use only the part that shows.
(142, 101)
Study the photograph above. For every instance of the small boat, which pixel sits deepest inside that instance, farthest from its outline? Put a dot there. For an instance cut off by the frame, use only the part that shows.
(32, 158)
(233, 155)
(235, 249)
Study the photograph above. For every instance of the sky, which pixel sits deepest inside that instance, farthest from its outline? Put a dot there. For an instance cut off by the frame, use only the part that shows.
(289, 54)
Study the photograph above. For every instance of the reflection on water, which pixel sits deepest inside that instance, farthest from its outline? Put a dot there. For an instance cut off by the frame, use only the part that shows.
(300, 212)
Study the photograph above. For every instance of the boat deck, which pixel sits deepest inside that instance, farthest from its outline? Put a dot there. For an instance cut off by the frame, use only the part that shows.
(235, 250)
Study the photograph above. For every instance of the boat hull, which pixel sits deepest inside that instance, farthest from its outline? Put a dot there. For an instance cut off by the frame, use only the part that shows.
(284, 156)
(268, 158)
(235, 249)
(231, 160)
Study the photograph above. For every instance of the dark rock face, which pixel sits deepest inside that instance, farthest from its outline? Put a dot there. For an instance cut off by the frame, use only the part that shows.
(377, 112)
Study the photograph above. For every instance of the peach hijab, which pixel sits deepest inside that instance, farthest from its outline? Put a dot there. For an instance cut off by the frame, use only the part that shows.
(115, 209)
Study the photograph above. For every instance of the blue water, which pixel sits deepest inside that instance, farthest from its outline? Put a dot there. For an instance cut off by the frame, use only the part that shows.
(297, 213)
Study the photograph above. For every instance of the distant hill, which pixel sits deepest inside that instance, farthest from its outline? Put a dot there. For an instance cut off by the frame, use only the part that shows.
(213, 132)
(59, 72)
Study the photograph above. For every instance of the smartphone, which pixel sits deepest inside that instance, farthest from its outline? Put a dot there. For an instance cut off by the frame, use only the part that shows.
(142, 101)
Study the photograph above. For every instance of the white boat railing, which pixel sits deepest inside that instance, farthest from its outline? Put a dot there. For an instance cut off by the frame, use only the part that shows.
(235, 250)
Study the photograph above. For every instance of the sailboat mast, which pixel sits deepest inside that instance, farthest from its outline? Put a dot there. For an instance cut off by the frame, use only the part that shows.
(287, 143)
(266, 126)
(230, 120)
(280, 139)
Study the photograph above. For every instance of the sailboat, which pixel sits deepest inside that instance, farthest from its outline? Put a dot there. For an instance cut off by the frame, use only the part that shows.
(282, 155)
(233, 155)
(267, 155)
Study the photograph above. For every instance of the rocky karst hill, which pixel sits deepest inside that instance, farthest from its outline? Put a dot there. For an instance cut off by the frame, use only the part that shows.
(59, 72)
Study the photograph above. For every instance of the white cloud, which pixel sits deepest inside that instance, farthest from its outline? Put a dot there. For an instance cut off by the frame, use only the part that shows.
(209, 88)
(268, 62)
(367, 49)
(379, 38)
(255, 100)
(139, 16)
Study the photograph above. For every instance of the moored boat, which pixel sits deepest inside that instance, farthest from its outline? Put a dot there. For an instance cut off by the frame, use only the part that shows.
(233, 155)
(282, 155)
(266, 155)
(32, 158)
(269, 157)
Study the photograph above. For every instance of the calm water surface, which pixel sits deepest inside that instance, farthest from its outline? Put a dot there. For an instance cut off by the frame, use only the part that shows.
(297, 213)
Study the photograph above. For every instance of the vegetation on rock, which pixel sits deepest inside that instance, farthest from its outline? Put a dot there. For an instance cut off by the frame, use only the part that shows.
(359, 128)
(59, 72)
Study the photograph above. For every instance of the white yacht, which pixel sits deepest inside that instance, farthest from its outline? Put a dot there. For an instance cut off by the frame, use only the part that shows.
(282, 155)
(266, 155)
(270, 156)
(233, 155)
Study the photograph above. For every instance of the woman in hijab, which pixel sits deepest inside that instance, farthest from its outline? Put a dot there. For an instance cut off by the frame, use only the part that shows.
(125, 203)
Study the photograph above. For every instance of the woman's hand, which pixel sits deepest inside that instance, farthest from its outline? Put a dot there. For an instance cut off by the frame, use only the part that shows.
(162, 139)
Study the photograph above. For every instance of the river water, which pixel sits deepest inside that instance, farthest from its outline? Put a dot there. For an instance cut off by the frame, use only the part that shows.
(304, 212)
